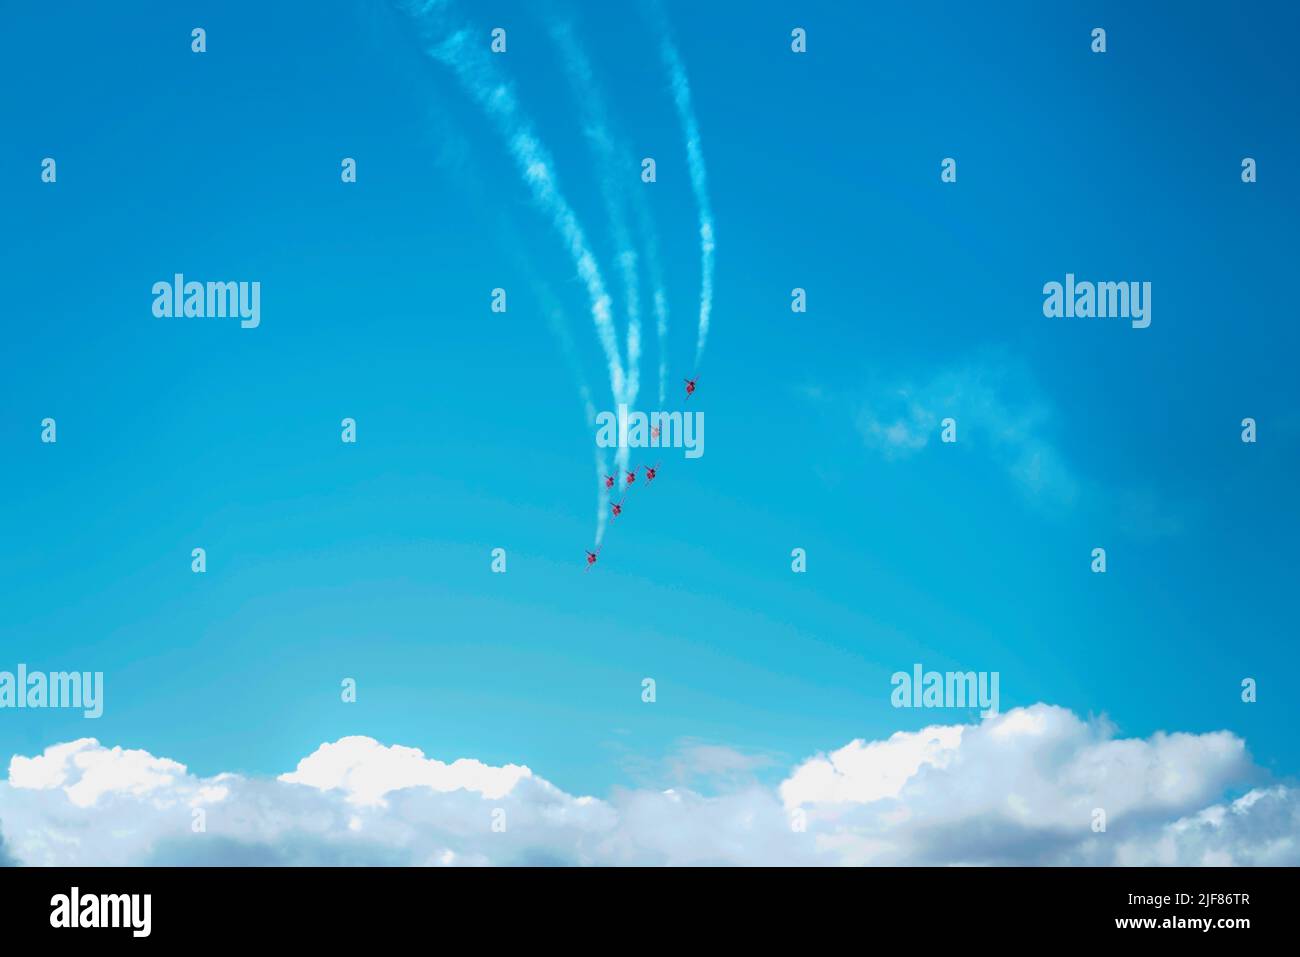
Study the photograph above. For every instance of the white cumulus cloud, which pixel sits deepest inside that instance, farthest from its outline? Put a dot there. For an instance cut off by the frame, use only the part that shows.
(1020, 787)
(365, 771)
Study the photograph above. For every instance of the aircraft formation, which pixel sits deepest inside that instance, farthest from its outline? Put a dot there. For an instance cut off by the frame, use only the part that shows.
(629, 481)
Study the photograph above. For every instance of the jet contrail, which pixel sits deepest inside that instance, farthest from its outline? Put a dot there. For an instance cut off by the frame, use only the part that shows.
(618, 188)
(602, 499)
(472, 64)
(492, 91)
(660, 300)
(559, 326)
(481, 78)
(699, 181)
(555, 316)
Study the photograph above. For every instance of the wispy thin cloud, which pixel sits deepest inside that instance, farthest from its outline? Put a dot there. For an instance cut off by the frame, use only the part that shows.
(1002, 414)
(996, 408)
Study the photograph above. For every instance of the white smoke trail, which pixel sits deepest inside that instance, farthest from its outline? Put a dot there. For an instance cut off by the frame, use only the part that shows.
(616, 183)
(616, 180)
(699, 181)
(559, 326)
(661, 322)
(602, 499)
(482, 80)
(454, 150)
(470, 60)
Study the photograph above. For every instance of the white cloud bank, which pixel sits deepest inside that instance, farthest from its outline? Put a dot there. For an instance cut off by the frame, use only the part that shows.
(1020, 787)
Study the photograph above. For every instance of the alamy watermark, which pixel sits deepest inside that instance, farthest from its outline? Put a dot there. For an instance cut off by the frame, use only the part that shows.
(75, 909)
(54, 689)
(651, 430)
(1100, 300)
(948, 689)
(212, 300)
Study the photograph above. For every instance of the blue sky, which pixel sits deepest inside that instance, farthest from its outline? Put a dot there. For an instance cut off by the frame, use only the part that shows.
(371, 561)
